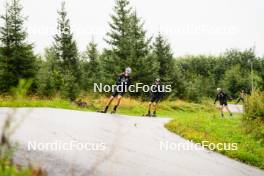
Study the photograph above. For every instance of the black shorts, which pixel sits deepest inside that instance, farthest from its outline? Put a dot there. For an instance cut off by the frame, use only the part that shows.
(224, 103)
(116, 93)
(155, 99)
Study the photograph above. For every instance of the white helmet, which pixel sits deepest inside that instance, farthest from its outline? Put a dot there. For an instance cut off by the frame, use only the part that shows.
(128, 70)
(218, 89)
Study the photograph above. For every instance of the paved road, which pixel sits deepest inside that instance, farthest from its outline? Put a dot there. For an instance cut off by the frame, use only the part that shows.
(132, 146)
(236, 108)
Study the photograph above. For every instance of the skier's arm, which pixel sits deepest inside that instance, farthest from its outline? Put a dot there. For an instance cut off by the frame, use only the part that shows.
(129, 82)
(118, 80)
(229, 97)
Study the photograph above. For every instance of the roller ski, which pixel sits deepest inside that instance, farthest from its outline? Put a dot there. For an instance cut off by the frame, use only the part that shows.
(103, 111)
(146, 115)
(114, 110)
(154, 114)
(150, 115)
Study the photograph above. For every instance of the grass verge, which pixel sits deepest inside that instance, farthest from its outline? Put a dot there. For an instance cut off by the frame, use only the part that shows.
(208, 126)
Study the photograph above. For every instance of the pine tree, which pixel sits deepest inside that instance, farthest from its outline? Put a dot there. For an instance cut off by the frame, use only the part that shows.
(168, 72)
(162, 51)
(91, 66)
(17, 59)
(139, 48)
(92, 54)
(118, 37)
(67, 56)
(49, 77)
(128, 41)
(65, 45)
(138, 41)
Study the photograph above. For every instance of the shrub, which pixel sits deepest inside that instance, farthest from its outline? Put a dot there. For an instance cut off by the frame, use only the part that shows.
(254, 106)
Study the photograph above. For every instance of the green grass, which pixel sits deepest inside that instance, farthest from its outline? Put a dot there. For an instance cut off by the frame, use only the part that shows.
(197, 122)
(8, 169)
(208, 126)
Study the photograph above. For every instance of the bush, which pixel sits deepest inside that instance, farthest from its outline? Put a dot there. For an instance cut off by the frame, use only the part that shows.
(254, 106)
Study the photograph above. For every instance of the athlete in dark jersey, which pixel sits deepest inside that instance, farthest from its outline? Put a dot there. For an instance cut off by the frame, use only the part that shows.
(122, 83)
(155, 96)
(222, 97)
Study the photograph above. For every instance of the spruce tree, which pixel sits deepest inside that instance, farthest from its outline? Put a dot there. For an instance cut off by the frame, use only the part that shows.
(128, 41)
(65, 45)
(17, 59)
(49, 77)
(67, 56)
(118, 37)
(139, 48)
(162, 52)
(91, 67)
(139, 43)
(168, 72)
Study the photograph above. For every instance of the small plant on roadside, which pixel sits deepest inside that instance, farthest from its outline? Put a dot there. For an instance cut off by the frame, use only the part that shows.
(22, 88)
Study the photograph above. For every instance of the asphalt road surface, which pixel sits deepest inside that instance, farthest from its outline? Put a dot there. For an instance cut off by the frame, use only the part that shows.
(236, 108)
(115, 146)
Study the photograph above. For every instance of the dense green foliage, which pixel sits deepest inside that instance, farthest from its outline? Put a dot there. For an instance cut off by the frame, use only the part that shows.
(230, 71)
(253, 120)
(66, 72)
(17, 60)
(254, 106)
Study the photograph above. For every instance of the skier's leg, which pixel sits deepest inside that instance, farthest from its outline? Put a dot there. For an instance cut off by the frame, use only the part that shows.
(154, 108)
(149, 108)
(222, 110)
(107, 105)
(110, 100)
(118, 103)
(226, 106)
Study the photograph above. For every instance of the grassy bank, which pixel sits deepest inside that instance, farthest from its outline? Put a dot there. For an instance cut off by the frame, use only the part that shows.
(205, 126)
(197, 122)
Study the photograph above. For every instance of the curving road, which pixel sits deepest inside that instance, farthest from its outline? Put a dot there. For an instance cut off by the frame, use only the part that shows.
(131, 146)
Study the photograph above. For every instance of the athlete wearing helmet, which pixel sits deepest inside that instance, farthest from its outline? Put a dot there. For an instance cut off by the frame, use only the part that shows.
(222, 97)
(122, 83)
(155, 96)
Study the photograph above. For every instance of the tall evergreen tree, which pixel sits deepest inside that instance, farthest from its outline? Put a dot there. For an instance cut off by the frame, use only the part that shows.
(168, 72)
(139, 44)
(118, 37)
(65, 45)
(17, 59)
(162, 51)
(49, 77)
(67, 55)
(92, 54)
(91, 67)
(139, 47)
(128, 41)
